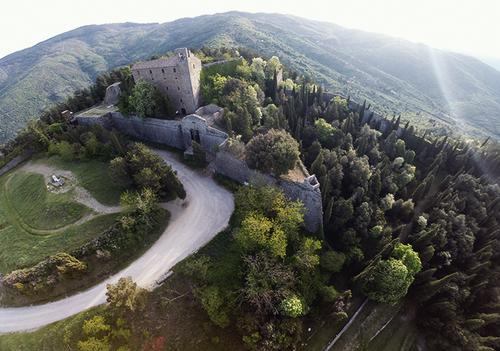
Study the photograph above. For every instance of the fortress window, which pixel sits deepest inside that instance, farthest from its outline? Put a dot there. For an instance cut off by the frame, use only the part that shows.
(193, 66)
(167, 88)
(178, 88)
(181, 100)
(175, 70)
(162, 71)
(150, 72)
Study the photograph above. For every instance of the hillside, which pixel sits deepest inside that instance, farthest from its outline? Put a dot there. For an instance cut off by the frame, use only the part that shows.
(395, 75)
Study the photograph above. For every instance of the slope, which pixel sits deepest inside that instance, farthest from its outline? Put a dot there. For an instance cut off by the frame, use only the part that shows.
(397, 76)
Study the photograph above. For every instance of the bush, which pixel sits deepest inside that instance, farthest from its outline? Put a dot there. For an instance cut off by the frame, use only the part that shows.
(44, 274)
(292, 307)
(332, 261)
(213, 303)
(275, 152)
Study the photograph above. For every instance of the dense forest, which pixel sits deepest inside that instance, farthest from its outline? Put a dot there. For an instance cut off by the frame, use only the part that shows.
(408, 218)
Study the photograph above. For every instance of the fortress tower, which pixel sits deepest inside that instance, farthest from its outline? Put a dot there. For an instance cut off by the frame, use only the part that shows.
(177, 76)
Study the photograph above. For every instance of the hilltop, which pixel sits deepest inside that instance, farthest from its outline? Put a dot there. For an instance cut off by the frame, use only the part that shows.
(394, 75)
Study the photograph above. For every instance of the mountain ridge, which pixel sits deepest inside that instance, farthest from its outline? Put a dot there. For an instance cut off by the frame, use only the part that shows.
(395, 75)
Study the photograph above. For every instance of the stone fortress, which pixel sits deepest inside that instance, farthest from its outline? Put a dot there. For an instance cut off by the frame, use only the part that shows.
(179, 78)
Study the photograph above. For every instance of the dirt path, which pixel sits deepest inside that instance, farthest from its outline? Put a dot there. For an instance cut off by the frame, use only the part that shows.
(193, 223)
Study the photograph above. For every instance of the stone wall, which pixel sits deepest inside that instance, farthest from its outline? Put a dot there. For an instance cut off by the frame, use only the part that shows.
(307, 192)
(154, 130)
(174, 133)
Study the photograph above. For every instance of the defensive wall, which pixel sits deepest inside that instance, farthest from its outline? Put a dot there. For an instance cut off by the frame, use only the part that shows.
(307, 191)
(181, 133)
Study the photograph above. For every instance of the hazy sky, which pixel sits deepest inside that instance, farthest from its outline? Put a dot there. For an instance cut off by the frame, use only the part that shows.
(470, 26)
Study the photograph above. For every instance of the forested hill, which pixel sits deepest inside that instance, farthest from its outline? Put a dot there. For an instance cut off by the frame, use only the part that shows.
(396, 76)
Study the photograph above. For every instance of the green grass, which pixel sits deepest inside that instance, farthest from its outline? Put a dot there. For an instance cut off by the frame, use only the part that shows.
(27, 196)
(93, 176)
(35, 223)
(19, 248)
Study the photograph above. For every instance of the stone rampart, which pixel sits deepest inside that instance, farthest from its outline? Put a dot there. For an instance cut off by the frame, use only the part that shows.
(154, 130)
(307, 192)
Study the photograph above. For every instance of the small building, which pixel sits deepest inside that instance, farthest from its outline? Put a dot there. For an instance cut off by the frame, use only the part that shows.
(56, 181)
(177, 76)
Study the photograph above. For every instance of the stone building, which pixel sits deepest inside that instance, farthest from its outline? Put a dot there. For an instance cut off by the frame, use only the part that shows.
(177, 76)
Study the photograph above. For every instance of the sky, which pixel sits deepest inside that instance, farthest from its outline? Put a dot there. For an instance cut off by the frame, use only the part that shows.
(467, 26)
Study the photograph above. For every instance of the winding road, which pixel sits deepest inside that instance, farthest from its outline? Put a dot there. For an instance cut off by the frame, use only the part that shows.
(194, 222)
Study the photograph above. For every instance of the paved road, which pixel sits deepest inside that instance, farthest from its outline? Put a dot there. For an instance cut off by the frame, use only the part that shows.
(194, 222)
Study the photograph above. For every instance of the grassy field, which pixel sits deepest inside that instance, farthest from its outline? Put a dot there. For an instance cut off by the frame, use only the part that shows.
(19, 248)
(93, 176)
(26, 196)
(35, 223)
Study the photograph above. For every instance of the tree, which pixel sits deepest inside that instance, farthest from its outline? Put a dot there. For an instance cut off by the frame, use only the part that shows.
(147, 101)
(332, 261)
(215, 305)
(145, 169)
(325, 131)
(307, 257)
(125, 296)
(267, 283)
(258, 232)
(272, 117)
(274, 152)
(94, 344)
(141, 100)
(388, 280)
(96, 326)
(292, 306)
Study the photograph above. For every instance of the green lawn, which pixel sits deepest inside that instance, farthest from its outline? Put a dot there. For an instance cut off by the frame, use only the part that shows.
(19, 248)
(26, 196)
(93, 176)
(35, 223)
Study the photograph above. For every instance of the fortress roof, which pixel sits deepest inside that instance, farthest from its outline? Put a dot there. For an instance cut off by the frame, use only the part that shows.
(171, 61)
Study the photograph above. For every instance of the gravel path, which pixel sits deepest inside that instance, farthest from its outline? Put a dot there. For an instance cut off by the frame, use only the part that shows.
(193, 223)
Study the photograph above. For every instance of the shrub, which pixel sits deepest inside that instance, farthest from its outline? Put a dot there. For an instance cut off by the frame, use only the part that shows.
(292, 307)
(332, 261)
(213, 303)
(274, 152)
